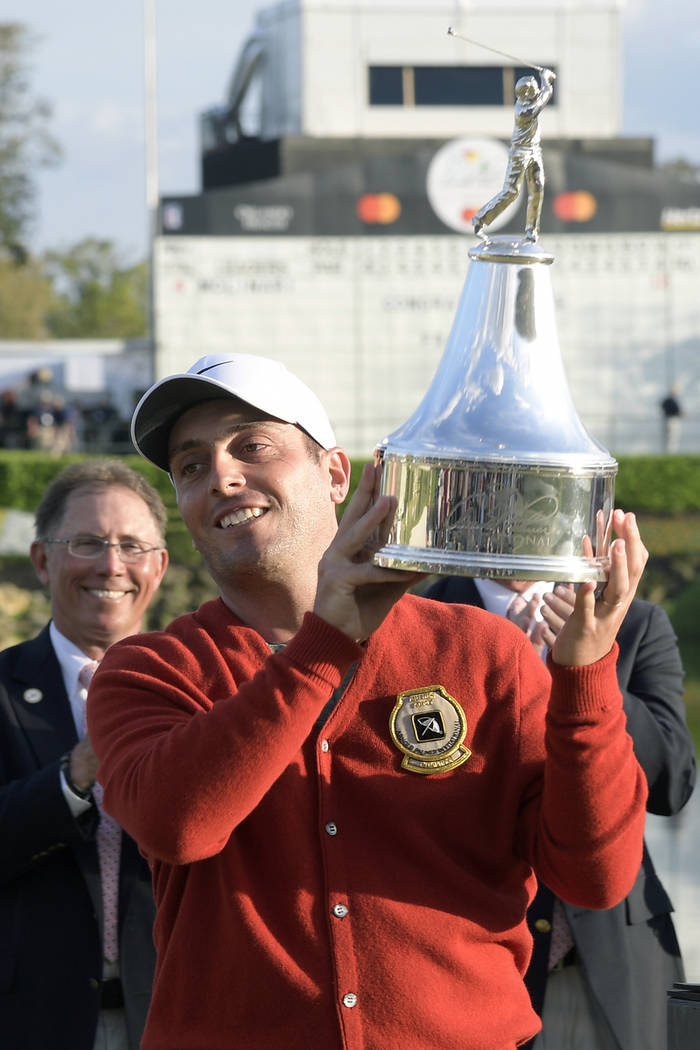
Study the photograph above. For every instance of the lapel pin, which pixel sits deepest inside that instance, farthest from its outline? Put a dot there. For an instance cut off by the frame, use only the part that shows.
(32, 696)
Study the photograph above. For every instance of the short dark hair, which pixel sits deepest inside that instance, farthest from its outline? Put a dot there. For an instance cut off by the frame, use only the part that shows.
(312, 446)
(95, 475)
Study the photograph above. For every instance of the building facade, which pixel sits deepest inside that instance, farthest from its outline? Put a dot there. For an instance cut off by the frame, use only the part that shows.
(340, 174)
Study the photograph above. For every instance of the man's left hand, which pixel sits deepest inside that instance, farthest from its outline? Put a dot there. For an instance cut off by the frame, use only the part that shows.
(589, 632)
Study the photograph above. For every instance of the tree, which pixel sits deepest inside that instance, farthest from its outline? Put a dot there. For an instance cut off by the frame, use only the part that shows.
(682, 167)
(25, 141)
(26, 297)
(97, 295)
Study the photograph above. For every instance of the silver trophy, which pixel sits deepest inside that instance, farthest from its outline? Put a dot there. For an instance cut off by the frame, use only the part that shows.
(494, 473)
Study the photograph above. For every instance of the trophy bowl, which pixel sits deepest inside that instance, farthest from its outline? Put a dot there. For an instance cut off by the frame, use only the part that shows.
(494, 473)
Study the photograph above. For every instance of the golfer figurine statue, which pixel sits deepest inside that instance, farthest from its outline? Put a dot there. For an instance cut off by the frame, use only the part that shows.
(524, 156)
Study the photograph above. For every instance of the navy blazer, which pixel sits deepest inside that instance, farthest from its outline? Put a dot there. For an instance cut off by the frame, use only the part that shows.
(629, 954)
(50, 894)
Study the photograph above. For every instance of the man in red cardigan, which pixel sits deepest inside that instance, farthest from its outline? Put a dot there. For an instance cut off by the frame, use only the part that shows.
(345, 791)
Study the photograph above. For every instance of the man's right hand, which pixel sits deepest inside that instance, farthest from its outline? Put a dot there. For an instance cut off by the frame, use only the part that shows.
(526, 620)
(354, 594)
(83, 764)
(589, 632)
(556, 610)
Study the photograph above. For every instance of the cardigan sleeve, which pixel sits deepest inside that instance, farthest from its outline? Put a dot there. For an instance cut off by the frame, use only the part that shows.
(582, 823)
(180, 772)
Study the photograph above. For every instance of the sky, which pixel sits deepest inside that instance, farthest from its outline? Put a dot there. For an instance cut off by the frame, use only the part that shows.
(88, 63)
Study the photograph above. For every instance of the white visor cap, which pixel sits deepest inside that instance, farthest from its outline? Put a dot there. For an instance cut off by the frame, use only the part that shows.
(259, 381)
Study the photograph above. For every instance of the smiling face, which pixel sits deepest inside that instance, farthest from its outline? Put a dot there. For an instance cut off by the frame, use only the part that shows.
(97, 602)
(257, 495)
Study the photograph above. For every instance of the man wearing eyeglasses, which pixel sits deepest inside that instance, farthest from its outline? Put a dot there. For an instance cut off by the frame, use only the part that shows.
(76, 907)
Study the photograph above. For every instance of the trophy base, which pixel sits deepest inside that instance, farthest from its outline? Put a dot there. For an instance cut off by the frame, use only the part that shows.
(489, 566)
(518, 521)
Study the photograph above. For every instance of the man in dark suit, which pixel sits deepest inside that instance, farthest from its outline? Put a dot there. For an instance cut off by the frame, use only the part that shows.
(76, 907)
(628, 956)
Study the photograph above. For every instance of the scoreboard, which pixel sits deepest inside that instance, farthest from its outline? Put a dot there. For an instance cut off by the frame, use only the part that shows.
(364, 320)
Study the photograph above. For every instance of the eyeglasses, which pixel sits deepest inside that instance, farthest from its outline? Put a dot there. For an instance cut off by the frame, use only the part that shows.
(92, 547)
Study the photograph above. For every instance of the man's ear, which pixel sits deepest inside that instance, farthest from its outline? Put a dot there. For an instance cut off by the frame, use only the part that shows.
(339, 472)
(38, 552)
(164, 558)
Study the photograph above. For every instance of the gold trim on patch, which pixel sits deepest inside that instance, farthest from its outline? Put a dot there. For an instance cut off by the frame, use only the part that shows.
(428, 726)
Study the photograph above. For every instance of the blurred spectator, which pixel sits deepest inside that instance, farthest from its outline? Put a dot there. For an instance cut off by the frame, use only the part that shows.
(672, 413)
(13, 421)
(99, 422)
(65, 416)
(41, 424)
(35, 415)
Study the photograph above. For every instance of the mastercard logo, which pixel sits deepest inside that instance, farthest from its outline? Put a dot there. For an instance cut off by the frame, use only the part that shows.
(383, 208)
(577, 206)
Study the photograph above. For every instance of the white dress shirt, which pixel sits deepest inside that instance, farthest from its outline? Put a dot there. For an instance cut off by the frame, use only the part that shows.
(71, 660)
(497, 597)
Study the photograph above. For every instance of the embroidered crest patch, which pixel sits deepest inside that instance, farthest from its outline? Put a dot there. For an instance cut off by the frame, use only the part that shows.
(429, 727)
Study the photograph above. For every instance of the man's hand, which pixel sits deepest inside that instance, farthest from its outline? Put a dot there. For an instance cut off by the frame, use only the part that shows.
(589, 632)
(527, 622)
(83, 764)
(353, 594)
(557, 607)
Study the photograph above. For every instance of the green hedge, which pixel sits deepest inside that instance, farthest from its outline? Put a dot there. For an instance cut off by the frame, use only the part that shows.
(657, 485)
(646, 484)
(663, 490)
(25, 475)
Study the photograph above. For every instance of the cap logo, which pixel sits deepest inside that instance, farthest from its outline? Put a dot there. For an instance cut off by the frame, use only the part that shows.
(203, 371)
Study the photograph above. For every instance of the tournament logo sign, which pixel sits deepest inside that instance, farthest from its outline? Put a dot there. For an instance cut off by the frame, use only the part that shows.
(463, 175)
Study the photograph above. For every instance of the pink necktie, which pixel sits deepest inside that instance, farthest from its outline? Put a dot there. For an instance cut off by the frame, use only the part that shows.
(561, 940)
(109, 837)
